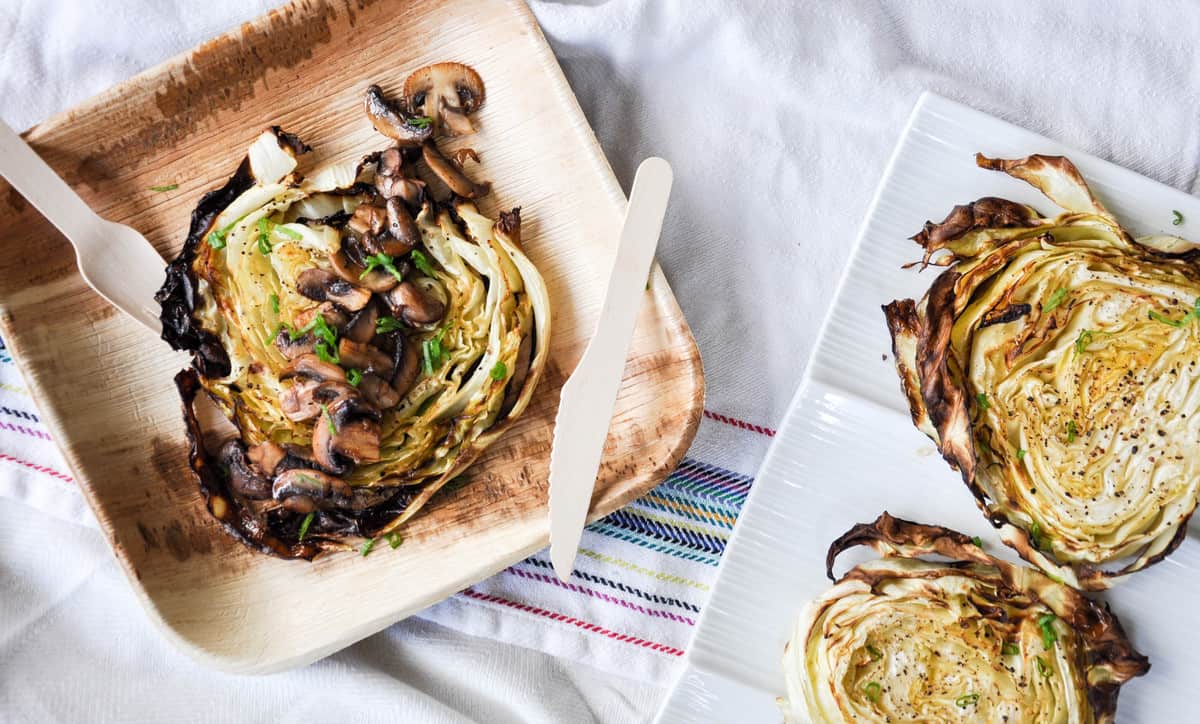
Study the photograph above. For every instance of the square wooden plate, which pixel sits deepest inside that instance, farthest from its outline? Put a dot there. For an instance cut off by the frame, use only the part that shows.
(104, 384)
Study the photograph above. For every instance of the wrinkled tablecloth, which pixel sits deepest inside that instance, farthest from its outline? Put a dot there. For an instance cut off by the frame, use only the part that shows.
(778, 118)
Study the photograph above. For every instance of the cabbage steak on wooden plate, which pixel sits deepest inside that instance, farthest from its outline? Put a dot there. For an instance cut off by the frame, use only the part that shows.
(367, 340)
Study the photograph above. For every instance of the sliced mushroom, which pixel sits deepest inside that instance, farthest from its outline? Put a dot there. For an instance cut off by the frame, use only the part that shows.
(401, 228)
(302, 401)
(378, 392)
(413, 305)
(311, 366)
(293, 348)
(334, 315)
(303, 490)
(368, 220)
(266, 456)
(361, 327)
(407, 362)
(321, 285)
(452, 175)
(243, 479)
(377, 280)
(392, 180)
(364, 357)
(460, 156)
(447, 93)
(346, 433)
(391, 120)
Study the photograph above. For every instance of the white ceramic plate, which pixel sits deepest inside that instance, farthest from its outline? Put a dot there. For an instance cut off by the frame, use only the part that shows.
(848, 450)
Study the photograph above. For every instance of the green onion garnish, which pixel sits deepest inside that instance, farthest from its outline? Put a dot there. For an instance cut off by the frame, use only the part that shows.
(420, 121)
(327, 353)
(264, 236)
(1178, 218)
(366, 547)
(381, 260)
(289, 233)
(499, 371)
(1020, 453)
(1072, 431)
(1010, 649)
(329, 419)
(1035, 535)
(1055, 299)
(308, 519)
(217, 240)
(1046, 624)
(383, 325)
(353, 376)
(874, 653)
(1082, 341)
(977, 541)
(422, 262)
(1042, 667)
(982, 399)
(394, 540)
(172, 187)
(873, 690)
(275, 303)
(966, 700)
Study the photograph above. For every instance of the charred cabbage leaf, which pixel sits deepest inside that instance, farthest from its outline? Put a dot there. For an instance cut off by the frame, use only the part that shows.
(1054, 363)
(971, 639)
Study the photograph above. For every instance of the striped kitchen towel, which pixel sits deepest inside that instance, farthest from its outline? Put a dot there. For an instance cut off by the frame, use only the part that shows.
(642, 576)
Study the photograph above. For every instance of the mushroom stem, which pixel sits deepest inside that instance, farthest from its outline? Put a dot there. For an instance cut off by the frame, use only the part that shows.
(452, 175)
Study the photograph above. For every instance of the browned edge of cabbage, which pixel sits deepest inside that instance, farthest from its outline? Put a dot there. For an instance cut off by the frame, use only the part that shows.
(1110, 658)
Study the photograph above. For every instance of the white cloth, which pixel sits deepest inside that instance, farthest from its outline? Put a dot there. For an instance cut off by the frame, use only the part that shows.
(778, 118)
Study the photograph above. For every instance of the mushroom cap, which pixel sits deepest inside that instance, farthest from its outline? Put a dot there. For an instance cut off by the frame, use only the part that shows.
(392, 121)
(446, 93)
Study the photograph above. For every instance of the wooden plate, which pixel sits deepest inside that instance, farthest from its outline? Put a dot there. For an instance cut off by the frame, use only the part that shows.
(104, 384)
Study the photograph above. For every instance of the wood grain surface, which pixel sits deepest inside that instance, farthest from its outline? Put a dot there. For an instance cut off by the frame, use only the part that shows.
(104, 384)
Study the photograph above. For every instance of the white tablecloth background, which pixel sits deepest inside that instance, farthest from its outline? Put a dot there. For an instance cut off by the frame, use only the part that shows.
(778, 118)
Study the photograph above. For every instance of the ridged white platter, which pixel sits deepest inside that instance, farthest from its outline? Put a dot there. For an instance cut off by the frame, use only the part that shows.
(847, 449)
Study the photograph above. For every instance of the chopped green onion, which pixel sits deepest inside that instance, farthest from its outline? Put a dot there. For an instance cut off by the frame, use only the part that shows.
(289, 233)
(217, 241)
(308, 519)
(366, 547)
(1055, 299)
(172, 187)
(1176, 323)
(422, 262)
(1042, 667)
(327, 353)
(1035, 535)
(264, 236)
(1072, 431)
(1082, 341)
(1010, 649)
(427, 357)
(1178, 218)
(982, 399)
(1046, 624)
(278, 328)
(873, 690)
(383, 325)
(394, 540)
(353, 376)
(874, 653)
(420, 121)
(966, 700)
(329, 419)
(381, 260)
(275, 303)
(977, 541)
(499, 371)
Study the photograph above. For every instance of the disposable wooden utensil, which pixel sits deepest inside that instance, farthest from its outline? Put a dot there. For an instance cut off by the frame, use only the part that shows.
(586, 406)
(115, 260)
